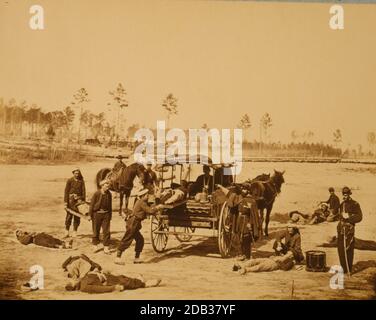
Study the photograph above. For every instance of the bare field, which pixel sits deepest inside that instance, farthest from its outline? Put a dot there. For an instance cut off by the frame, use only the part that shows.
(32, 199)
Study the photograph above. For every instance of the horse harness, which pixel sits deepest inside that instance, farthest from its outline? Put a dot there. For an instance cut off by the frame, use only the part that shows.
(272, 188)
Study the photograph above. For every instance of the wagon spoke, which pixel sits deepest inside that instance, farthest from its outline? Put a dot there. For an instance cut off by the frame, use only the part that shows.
(159, 240)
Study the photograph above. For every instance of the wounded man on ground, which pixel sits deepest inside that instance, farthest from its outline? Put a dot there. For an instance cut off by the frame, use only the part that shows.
(273, 263)
(359, 244)
(42, 239)
(102, 282)
(321, 214)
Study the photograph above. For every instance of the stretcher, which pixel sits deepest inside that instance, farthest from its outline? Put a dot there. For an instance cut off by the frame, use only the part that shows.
(80, 214)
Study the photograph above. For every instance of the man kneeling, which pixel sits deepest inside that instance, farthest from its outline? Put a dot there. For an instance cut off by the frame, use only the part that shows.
(101, 282)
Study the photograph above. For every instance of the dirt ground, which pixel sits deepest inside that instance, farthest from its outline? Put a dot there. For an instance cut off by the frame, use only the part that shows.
(32, 199)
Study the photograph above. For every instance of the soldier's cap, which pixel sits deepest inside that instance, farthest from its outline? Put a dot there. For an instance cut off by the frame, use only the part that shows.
(346, 190)
(331, 189)
(103, 182)
(119, 157)
(142, 192)
(76, 169)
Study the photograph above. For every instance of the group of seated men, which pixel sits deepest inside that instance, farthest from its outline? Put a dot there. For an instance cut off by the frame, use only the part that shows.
(326, 211)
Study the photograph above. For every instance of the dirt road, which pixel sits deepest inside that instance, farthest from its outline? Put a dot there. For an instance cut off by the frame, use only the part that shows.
(32, 198)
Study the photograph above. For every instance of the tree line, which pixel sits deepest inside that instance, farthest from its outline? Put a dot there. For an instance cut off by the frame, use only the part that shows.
(302, 141)
(29, 120)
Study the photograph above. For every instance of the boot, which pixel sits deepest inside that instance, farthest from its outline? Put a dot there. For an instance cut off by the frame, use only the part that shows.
(74, 234)
(106, 250)
(66, 235)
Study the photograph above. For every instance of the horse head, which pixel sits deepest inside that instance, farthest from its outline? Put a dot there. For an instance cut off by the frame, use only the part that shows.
(278, 179)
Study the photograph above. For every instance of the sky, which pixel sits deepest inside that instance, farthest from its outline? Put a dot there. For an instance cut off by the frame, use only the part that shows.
(221, 59)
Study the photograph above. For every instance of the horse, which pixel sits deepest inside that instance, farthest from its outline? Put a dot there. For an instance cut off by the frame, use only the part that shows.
(123, 182)
(265, 191)
(260, 177)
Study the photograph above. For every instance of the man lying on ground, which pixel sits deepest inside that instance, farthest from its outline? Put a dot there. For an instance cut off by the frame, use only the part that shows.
(273, 263)
(101, 282)
(299, 217)
(321, 214)
(78, 266)
(359, 244)
(42, 239)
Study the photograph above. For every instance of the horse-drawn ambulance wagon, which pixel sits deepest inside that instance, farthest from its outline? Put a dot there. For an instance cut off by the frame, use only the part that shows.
(207, 209)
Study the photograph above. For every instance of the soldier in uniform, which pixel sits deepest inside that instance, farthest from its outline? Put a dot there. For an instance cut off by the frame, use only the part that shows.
(289, 240)
(204, 181)
(151, 179)
(333, 203)
(119, 164)
(133, 226)
(350, 214)
(42, 239)
(101, 213)
(75, 191)
(248, 226)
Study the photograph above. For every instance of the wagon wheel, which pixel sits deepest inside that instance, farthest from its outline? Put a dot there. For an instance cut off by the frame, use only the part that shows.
(184, 237)
(158, 240)
(225, 231)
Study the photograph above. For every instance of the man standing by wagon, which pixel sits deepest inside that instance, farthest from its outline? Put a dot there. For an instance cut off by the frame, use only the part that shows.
(248, 225)
(75, 191)
(350, 214)
(133, 227)
(101, 213)
(150, 179)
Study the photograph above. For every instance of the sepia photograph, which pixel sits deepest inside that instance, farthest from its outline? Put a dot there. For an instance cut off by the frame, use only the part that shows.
(187, 150)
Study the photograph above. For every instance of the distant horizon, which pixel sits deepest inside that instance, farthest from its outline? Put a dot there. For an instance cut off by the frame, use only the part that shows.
(254, 139)
(221, 59)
